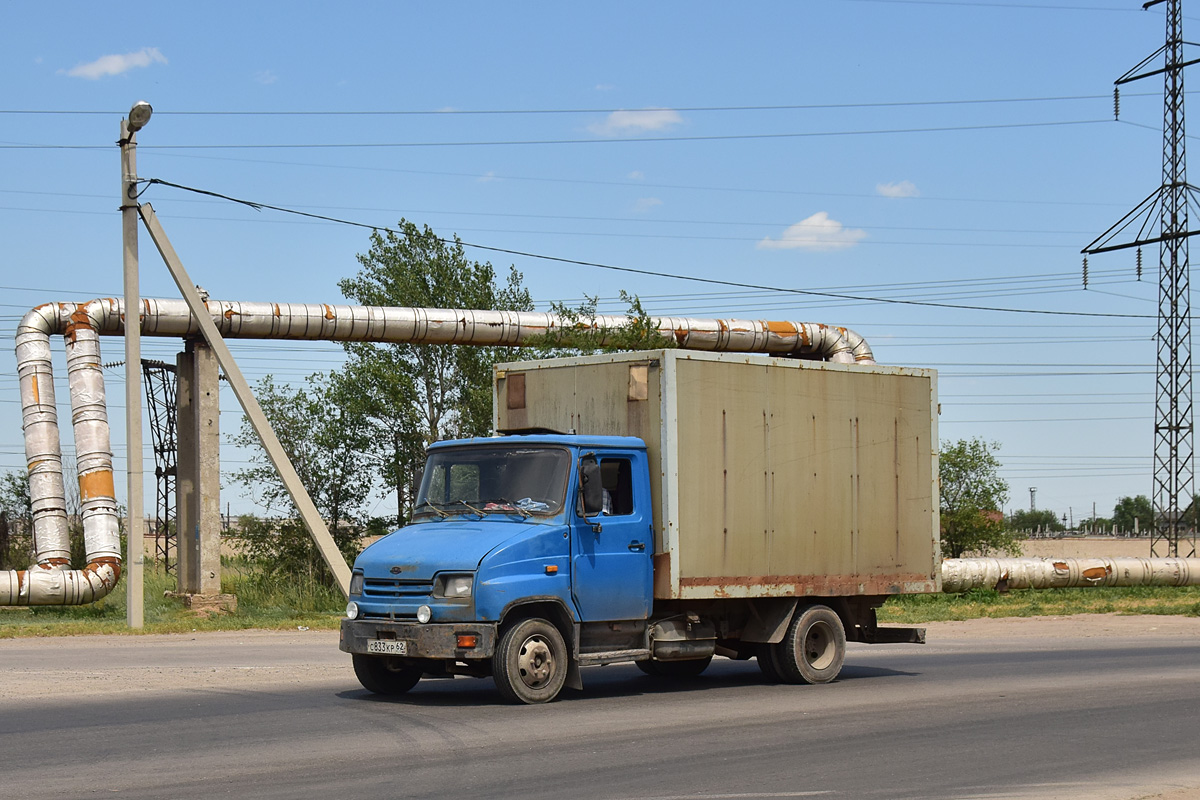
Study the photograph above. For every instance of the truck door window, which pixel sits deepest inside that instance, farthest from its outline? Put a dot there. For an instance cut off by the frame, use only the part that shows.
(617, 477)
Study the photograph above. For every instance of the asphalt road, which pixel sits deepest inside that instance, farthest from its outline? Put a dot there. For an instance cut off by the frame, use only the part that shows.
(1005, 713)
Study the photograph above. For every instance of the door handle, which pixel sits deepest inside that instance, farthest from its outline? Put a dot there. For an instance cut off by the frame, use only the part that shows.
(637, 547)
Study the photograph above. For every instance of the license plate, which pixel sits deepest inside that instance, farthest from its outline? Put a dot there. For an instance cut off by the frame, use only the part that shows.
(388, 647)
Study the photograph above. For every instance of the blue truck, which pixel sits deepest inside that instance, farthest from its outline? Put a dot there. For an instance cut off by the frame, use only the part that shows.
(662, 508)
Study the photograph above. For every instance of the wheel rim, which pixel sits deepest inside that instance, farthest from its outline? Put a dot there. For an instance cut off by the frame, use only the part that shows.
(535, 662)
(819, 651)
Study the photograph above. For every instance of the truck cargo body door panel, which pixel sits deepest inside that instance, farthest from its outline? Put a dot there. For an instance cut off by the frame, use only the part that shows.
(611, 569)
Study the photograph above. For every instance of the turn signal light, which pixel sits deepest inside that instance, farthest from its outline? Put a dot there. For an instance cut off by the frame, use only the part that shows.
(467, 640)
(552, 569)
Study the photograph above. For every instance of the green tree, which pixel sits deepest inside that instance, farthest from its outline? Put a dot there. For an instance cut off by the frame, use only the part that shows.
(972, 494)
(1137, 508)
(582, 335)
(412, 395)
(325, 442)
(16, 521)
(1042, 518)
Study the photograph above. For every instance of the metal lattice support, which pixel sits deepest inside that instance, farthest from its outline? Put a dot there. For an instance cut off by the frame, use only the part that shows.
(1175, 513)
(160, 382)
(1173, 435)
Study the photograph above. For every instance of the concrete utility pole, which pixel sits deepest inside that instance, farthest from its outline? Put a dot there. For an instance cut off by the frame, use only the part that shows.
(1032, 498)
(139, 115)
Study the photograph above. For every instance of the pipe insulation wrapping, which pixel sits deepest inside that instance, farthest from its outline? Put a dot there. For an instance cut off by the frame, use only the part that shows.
(49, 582)
(39, 422)
(964, 574)
(383, 324)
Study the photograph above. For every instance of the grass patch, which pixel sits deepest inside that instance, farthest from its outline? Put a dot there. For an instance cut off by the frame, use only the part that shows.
(286, 603)
(268, 603)
(977, 603)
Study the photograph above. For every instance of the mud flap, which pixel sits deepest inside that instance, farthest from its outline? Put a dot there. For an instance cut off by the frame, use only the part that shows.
(574, 679)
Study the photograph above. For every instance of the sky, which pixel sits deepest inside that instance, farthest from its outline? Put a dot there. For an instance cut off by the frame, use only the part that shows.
(953, 153)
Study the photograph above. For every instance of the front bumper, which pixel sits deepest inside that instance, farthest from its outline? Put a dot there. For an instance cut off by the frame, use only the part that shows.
(433, 640)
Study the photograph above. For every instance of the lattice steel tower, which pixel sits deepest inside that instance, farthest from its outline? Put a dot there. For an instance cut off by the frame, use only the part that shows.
(160, 384)
(1174, 516)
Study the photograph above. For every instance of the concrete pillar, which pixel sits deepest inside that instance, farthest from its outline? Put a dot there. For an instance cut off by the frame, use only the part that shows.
(186, 506)
(198, 481)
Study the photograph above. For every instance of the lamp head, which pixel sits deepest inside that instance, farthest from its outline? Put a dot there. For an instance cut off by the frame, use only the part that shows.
(139, 115)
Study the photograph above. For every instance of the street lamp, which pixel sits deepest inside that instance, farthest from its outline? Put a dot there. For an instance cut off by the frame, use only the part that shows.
(139, 115)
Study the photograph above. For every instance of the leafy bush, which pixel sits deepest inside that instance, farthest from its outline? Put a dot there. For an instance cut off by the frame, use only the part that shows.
(283, 548)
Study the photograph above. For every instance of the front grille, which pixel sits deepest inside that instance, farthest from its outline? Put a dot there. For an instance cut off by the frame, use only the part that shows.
(396, 588)
(389, 616)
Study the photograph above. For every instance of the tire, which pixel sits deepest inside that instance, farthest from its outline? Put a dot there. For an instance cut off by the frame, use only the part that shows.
(530, 663)
(383, 675)
(814, 648)
(679, 670)
(768, 663)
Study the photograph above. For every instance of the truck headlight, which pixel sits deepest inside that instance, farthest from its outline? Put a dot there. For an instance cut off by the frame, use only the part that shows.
(455, 585)
(352, 610)
(424, 614)
(356, 583)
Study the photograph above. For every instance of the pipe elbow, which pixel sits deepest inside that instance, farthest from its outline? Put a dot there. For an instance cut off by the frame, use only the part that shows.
(50, 586)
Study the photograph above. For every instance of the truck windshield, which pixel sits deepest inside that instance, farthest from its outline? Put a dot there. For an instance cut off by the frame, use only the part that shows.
(493, 480)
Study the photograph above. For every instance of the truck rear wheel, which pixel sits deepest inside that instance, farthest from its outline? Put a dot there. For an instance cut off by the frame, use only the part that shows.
(530, 663)
(383, 675)
(768, 662)
(681, 670)
(814, 648)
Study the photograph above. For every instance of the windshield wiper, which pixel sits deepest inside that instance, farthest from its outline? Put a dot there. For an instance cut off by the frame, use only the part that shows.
(481, 514)
(433, 506)
(509, 504)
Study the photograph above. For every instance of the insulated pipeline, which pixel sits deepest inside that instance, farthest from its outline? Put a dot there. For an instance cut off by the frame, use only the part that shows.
(51, 582)
(963, 574)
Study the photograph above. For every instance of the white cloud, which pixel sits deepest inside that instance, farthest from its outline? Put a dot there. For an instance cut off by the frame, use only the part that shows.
(487, 177)
(817, 233)
(265, 77)
(604, 87)
(637, 175)
(115, 65)
(644, 204)
(647, 119)
(901, 189)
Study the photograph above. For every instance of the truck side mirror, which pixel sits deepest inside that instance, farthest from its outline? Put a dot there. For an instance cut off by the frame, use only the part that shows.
(591, 486)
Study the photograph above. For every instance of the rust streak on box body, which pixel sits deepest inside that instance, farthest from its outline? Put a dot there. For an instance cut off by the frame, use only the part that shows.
(806, 585)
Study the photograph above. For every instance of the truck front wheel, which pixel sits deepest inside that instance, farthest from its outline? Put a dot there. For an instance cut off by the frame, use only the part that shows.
(383, 675)
(530, 662)
(814, 648)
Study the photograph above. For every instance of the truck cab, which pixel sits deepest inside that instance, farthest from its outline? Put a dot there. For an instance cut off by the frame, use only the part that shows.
(516, 544)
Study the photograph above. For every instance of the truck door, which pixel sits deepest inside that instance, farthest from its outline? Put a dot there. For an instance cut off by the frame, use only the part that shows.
(612, 573)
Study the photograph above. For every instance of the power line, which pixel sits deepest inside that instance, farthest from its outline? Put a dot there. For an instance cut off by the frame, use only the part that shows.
(629, 183)
(613, 234)
(652, 273)
(543, 142)
(453, 112)
(641, 220)
(976, 4)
